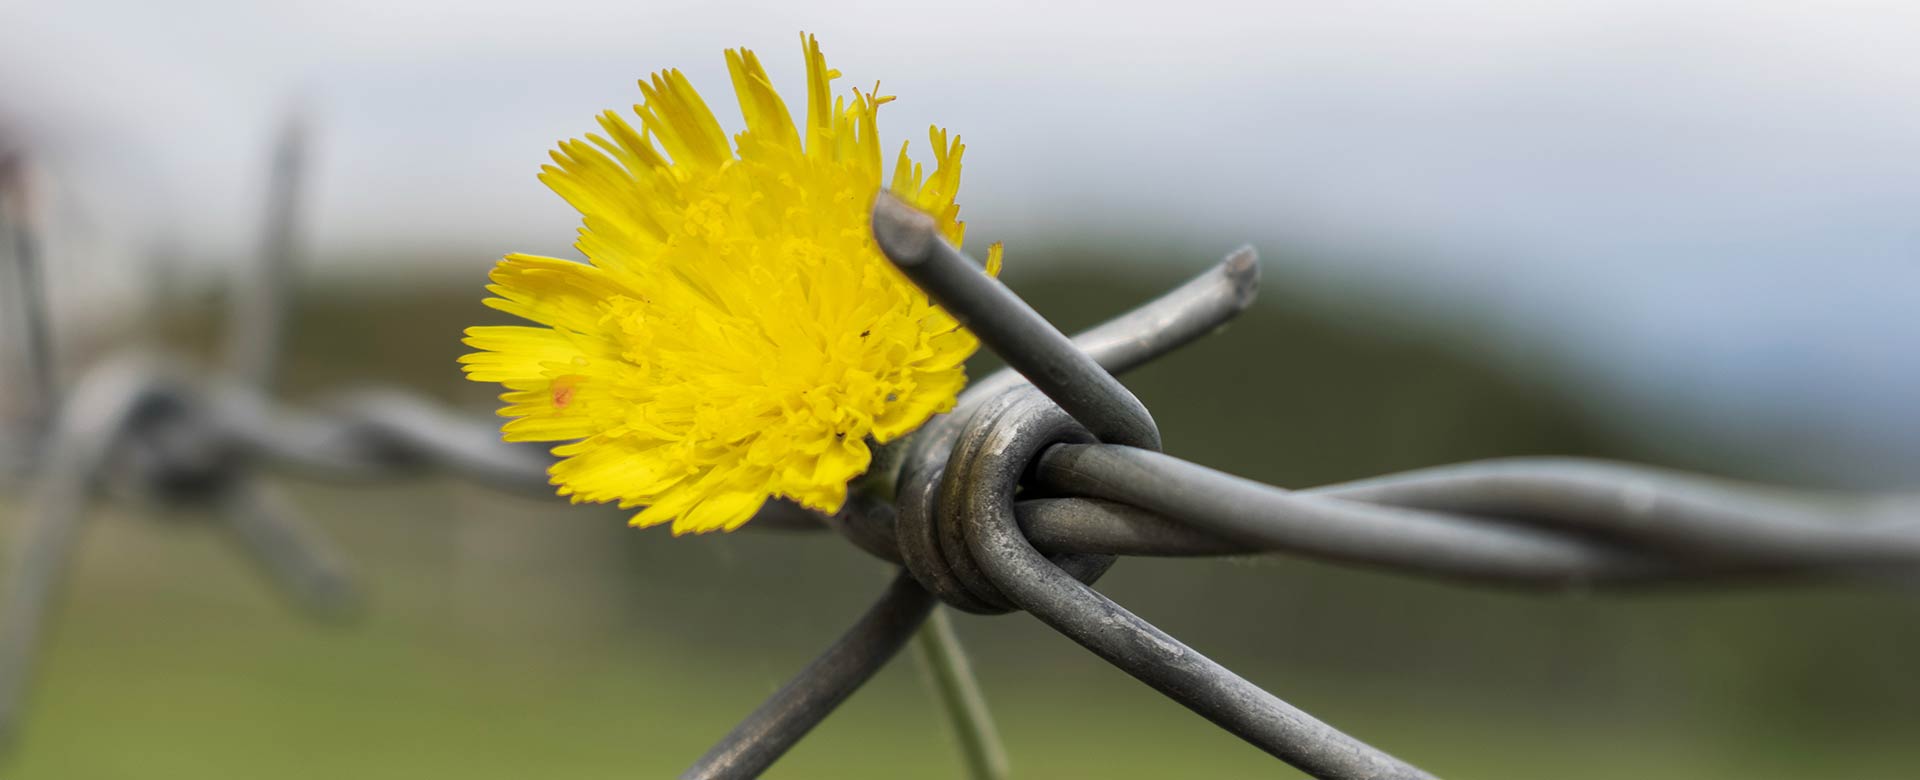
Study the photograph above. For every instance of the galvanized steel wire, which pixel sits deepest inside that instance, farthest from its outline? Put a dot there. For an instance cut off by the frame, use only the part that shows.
(1040, 480)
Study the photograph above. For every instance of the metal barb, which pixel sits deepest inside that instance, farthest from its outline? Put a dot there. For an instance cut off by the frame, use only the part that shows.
(1174, 319)
(257, 329)
(133, 417)
(1009, 327)
(299, 560)
(35, 326)
(786, 716)
(1003, 437)
(1178, 317)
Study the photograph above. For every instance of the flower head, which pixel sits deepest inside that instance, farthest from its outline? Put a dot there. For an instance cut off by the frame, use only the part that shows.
(737, 334)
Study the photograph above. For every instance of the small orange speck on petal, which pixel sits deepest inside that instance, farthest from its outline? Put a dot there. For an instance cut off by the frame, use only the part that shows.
(563, 390)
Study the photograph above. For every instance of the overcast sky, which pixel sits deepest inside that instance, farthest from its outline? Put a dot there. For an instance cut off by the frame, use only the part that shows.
(1706, 208)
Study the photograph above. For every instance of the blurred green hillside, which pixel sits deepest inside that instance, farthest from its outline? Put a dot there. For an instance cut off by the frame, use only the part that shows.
(508, 637)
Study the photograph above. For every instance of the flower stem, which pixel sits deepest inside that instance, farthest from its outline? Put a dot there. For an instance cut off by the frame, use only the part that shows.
(958, 692)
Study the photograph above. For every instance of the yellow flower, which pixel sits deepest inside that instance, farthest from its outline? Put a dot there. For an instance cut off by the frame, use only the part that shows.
(737, 335)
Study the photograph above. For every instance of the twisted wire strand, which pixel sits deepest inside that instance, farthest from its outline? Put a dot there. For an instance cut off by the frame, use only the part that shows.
(1618, 526)
(995, 451)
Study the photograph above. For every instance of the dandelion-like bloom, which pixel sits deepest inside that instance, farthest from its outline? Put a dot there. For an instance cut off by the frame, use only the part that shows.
(737, 335)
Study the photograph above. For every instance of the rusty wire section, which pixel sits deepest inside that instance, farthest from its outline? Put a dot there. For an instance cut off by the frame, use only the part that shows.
(1042, 477)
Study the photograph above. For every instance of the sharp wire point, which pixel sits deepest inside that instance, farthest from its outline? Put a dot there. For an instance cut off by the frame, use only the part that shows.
(1010, 328)
(905, 234)
(1243, 267)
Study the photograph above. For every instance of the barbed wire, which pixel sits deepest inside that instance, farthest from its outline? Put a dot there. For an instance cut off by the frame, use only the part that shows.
(1019, 500)
(1012, 502)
